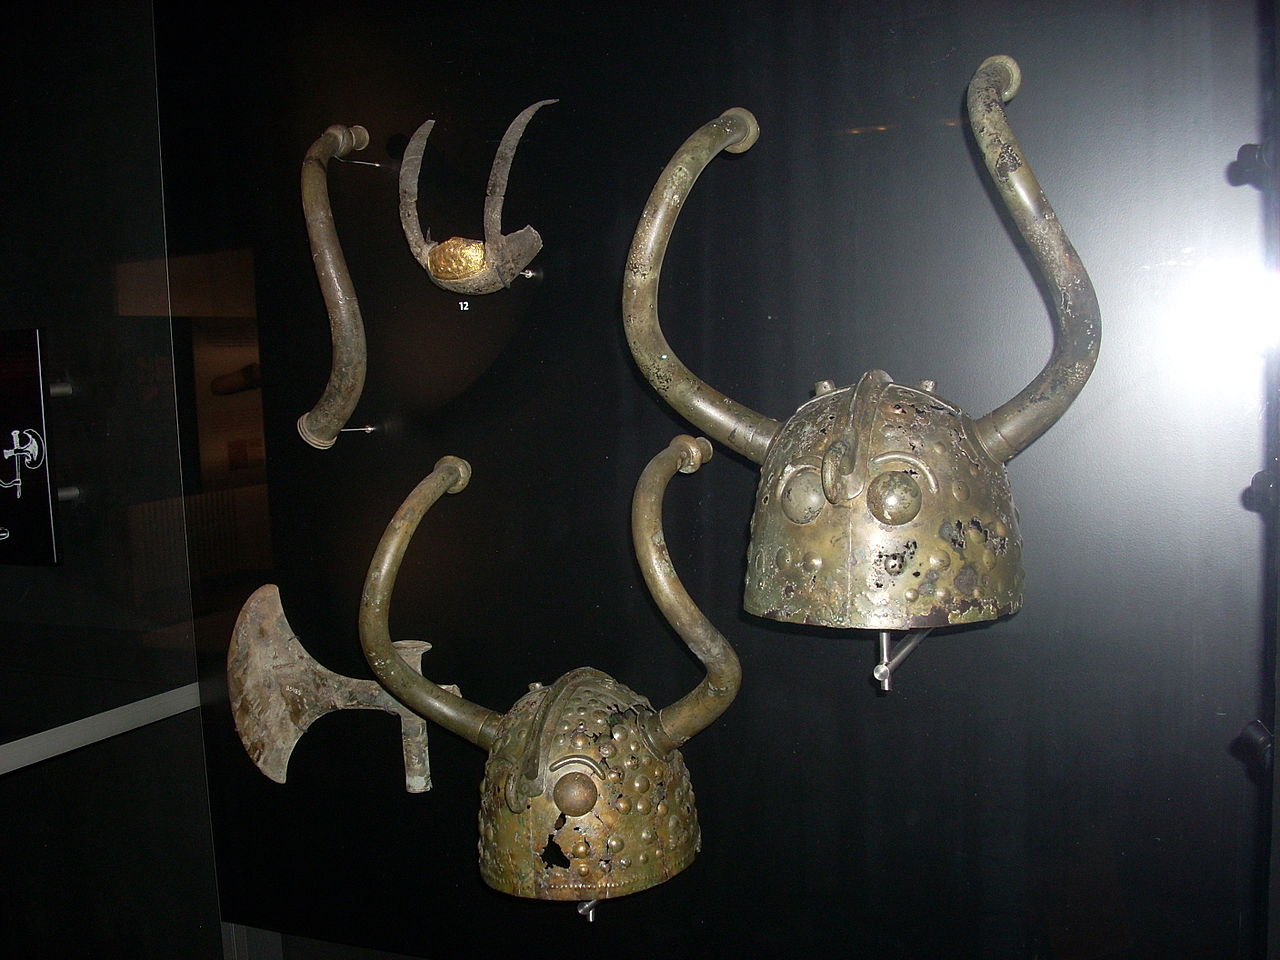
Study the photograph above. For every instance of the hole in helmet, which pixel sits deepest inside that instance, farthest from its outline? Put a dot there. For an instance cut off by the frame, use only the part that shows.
(552, 855)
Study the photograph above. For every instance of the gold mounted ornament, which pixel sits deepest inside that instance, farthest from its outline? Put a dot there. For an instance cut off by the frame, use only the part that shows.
(457, 264)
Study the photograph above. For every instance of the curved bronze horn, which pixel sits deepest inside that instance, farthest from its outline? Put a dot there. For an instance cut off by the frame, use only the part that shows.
(458, 264)
(1010, 428)
(319, 426)
(700, 707)
(468, 720)
(728, 421)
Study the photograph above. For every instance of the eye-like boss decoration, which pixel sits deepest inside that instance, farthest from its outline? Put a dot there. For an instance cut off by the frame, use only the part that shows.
(585, 793)
(881, 505)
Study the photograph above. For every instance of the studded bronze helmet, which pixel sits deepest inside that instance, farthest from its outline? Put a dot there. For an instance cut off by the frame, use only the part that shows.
(577, 801)
(885, 512)
(585, 794)
(880, 505)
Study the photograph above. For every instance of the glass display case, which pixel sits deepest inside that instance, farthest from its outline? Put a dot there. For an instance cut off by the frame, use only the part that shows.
(107, 845)
(1076, 780)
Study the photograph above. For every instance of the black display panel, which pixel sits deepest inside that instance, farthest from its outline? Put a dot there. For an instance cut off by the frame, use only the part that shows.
(27, 531)
(109, 624)
(107, 848)
(124, 870)
(1059, 783)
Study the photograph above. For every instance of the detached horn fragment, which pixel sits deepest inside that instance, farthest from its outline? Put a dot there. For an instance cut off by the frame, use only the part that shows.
(881, 505)
(320, 425)
(458, 264)
(461, 265)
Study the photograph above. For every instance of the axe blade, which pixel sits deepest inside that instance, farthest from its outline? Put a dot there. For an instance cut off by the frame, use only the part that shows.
(278, 689)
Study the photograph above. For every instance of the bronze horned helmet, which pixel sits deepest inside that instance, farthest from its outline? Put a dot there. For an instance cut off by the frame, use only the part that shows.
(585, 793)
(880, 505)
(459, 264)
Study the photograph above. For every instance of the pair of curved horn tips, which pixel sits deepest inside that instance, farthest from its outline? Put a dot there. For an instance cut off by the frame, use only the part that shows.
(458, 264)
(684, 454)
(1003, 432)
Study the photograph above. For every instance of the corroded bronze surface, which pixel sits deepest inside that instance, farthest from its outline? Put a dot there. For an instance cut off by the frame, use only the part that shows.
(720, 417)
(470, 266)
(278, 691)
(320, 425)
(1013, 426)
(877, 508)
(880, 506)
(585, 794)
(577, 803)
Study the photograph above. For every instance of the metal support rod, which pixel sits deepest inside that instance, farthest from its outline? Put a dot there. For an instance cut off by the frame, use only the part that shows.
(891, 657)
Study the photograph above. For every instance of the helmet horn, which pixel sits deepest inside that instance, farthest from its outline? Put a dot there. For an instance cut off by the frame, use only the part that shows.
(1010, 428)
(458, 264)
(699, 708)
(726, 420)
(319, 426)
(469, 720)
